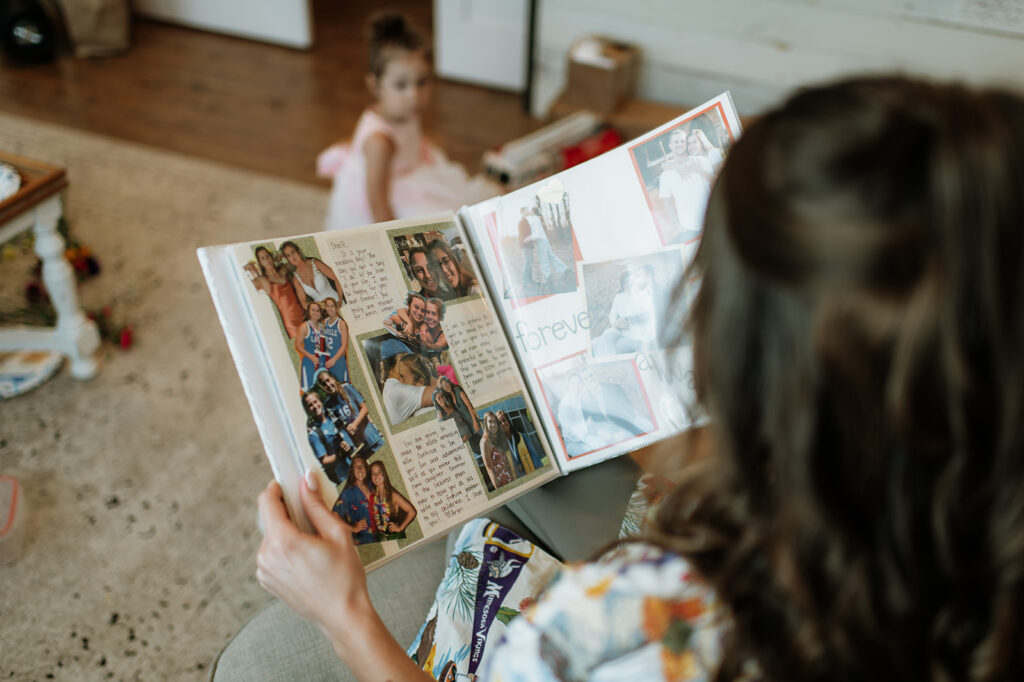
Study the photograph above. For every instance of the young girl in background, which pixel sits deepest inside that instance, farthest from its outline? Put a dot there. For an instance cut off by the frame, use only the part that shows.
(389, 169)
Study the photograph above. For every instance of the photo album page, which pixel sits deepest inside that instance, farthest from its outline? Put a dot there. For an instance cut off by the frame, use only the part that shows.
(584, 268)
(396, 381)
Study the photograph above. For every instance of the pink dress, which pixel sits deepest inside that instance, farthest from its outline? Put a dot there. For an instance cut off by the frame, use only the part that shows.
(423, 180)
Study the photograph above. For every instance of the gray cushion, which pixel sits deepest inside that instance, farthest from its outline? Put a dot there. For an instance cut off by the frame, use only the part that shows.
(277, 644)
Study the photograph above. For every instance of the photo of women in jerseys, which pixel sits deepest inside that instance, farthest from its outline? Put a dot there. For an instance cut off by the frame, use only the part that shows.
(311, 345)
(332, 444)
(346, 407)
(335, 331)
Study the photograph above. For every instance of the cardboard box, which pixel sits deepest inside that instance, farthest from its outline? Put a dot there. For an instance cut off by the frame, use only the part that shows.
(602, 73)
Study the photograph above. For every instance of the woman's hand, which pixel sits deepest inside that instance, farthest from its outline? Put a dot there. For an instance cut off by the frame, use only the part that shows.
(320, 576)
(352, 428)
(329, 363)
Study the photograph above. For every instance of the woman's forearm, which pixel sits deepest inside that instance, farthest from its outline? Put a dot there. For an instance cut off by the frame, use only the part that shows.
(365, 645)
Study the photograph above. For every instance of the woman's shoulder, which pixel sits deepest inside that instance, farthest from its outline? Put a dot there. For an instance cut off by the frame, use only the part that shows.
(644, 568)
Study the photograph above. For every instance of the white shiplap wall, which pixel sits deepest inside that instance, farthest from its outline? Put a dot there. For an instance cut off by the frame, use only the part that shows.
(762, 49)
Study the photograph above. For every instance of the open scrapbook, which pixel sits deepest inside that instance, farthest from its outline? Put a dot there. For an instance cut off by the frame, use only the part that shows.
(430, 370)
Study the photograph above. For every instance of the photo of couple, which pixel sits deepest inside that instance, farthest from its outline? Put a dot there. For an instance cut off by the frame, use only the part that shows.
(627, 301)
(436, 265)
(536, 246)
(677, 168)
(595, 405)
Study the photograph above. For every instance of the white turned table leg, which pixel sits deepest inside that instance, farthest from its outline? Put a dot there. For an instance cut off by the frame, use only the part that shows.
(76, 335)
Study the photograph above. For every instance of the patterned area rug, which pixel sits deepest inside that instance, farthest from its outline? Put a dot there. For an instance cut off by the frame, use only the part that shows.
(140, 484)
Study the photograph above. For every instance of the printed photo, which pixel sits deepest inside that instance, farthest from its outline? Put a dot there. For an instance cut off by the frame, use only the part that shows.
(307, 295)
(535, 244)
(509, 446)
(372, 504)
(452, 404)
(338, 425)
(436, 263)
(595, 405)
(321, 343)
(419, 323)
(628, 300)
(677, 168)
(292, 275)
(406, 378)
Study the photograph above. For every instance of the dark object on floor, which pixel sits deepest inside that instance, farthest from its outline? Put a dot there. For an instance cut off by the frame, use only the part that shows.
(28, 33)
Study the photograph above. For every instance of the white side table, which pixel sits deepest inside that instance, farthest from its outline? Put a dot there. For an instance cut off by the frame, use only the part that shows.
(38, 206)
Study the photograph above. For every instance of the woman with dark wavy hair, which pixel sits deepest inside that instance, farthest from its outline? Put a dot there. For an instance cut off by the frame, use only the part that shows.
(857, 337)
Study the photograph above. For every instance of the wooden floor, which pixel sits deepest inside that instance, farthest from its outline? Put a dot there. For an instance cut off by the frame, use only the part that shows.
(248, 104)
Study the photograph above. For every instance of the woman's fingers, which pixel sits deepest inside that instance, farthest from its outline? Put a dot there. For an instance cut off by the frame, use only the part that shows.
(328, 525)
(270, 504)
